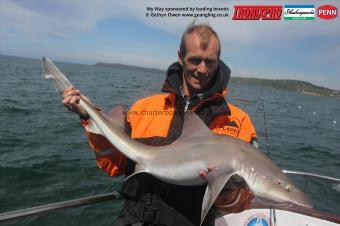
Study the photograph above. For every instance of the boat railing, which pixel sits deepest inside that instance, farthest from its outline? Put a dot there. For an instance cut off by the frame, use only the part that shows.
(314, 175)
(38, 210)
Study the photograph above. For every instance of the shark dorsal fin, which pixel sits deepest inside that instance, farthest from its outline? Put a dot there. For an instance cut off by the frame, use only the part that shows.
(193, 127)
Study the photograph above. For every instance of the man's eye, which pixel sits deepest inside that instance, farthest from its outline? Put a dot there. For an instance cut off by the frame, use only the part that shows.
(195, 60)
(209, 62)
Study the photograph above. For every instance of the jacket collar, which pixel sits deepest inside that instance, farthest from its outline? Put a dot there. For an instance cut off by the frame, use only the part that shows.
(217, 91)
(173, 81)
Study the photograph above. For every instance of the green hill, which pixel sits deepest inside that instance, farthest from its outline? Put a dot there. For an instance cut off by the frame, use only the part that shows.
(287, 84)
(128, 67)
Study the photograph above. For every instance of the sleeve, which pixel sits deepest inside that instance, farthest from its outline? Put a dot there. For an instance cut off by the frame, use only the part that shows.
(108, 158)
(233, 200)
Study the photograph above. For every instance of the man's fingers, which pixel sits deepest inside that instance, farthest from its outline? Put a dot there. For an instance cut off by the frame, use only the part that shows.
(67, 91)
(74, 100)
(210, 168)
(71, 92)
(204, 173)
(71, 102)
(66, 100)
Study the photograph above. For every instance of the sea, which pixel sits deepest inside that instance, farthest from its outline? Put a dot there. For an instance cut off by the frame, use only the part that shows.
(45, 157)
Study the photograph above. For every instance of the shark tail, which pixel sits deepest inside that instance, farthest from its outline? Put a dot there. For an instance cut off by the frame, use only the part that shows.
(50, 71)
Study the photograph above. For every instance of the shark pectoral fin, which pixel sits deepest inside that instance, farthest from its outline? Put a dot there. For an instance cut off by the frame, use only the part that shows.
(216, 182)
(92, 127)
(116, 114)
(139, 168)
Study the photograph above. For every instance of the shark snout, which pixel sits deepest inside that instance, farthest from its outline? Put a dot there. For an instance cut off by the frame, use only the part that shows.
(292, 196)
(300, 199)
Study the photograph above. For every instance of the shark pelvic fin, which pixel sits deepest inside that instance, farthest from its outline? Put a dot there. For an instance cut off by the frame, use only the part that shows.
(92, 127)
(115, 115)
(193, 127)
(216, 182)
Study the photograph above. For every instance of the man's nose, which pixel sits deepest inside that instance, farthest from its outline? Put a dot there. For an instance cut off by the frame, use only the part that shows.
(202, 68)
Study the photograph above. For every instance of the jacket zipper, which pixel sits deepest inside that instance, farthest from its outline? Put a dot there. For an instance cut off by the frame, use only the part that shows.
(187, 103)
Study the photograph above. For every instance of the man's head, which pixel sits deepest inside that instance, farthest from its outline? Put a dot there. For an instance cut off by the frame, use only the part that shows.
(199, 54)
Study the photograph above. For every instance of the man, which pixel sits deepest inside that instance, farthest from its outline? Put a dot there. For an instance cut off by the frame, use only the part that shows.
(197, 82)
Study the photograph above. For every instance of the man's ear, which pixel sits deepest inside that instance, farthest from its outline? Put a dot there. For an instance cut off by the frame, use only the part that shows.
(180, 57)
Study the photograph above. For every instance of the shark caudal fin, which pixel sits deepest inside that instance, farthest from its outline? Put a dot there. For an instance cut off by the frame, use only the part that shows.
(50, 71)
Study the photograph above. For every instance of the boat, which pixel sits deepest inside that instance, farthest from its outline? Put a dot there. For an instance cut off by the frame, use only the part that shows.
(260, 214)
(282, 216)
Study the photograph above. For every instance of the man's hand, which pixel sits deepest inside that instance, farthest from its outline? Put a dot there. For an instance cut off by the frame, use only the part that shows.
(71, 101)
(204, 173)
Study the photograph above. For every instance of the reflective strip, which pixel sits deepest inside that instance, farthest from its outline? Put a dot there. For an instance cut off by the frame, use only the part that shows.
(103, 153)
(234, 203)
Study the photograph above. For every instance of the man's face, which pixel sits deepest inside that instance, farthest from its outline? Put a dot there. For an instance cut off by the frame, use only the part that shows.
(199, 64)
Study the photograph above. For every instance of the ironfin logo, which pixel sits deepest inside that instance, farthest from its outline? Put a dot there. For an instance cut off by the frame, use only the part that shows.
(257, 12)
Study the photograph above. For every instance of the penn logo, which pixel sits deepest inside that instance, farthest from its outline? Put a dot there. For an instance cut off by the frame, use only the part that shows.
(327, 12)
(257, 12)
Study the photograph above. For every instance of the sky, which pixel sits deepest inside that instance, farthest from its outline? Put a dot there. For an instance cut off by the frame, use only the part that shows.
(118, 31)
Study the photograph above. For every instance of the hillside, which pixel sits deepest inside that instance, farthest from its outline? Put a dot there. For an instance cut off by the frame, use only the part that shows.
(286, 84)
(128, 67)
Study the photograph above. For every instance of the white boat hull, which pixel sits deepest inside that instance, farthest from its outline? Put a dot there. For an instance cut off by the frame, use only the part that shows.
(277, 217)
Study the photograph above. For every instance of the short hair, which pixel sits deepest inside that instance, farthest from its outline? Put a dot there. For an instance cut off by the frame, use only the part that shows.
(204, 32)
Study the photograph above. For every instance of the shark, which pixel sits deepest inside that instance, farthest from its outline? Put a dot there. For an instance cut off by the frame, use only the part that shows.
(197, 148)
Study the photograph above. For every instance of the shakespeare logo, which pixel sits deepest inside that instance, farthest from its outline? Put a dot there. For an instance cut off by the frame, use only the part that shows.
(299, 12)
(327, 12)
(256, 12)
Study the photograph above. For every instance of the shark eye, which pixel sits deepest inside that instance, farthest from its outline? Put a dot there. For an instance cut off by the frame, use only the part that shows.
(290, 188)
(280, 182)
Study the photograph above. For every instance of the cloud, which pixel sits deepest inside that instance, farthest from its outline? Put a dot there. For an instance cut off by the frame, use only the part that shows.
(41, 21)
(63, 18)
(15, 16)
